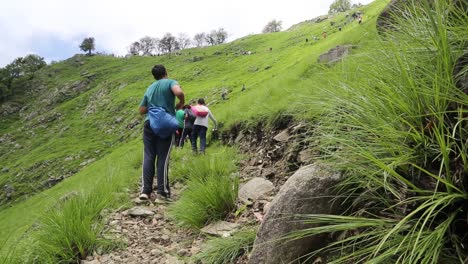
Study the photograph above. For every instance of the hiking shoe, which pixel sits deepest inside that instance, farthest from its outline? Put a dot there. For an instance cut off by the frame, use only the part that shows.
(162, 199)
(144, 197)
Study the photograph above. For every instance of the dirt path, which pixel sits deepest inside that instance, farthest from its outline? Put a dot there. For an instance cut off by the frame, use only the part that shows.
(149, 236)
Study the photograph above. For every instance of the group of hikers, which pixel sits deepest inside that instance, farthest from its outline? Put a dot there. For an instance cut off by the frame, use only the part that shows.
(165, 121)
(193, 124)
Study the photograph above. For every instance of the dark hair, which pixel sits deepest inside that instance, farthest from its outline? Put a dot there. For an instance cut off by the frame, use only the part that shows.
(201, 101)
(159, 71)
(187, 106)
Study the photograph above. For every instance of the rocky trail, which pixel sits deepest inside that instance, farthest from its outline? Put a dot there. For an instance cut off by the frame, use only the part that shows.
(148, 235)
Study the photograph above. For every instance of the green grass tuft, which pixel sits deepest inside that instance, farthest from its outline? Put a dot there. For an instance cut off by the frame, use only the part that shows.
(211, 189)
(226, 250)
(72, 229)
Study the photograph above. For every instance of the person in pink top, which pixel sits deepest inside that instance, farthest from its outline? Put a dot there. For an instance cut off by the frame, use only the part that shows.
(201, 126)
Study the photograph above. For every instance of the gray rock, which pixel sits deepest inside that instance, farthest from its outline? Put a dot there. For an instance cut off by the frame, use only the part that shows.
(255, 189)
(156, 252)
(119, 120)
(140, 211)
(9, 108)
(268, 173)
(335, 54)
(305, 156)
(385, 20)
(220, 228)
(239, 137)
(5, 170)
(283, 136)
(295, 197)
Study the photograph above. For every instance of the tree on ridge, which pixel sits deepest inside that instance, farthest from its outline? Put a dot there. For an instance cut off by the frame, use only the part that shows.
(272, 26)
(88, 45)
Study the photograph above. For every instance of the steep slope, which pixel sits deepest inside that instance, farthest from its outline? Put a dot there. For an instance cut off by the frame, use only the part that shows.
(81, 118)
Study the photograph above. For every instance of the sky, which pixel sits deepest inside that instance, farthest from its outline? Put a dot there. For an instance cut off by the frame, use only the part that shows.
(54, 29)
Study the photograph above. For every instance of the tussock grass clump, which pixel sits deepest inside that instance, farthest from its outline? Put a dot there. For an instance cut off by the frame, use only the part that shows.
(72, 229)
(394, 121)
(186, 165)
(227, 249)
(211, 190)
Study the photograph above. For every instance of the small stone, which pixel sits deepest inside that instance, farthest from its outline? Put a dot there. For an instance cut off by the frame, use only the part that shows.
(282, 137)
(220, 228)
(156, 252)
(158, 216)
(140, 211)
(255, 189)
(183, 252)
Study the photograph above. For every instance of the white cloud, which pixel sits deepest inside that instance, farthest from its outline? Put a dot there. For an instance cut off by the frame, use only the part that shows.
(116, 23)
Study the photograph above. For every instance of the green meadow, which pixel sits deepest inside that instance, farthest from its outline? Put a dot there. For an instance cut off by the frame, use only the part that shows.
(369, 113)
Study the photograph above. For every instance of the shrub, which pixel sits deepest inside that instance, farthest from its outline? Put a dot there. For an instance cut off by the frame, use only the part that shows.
(227, 249)
(211, 190)
(398, 129)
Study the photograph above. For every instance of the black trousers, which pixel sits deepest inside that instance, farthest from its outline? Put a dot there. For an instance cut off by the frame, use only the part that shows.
(199, 131)
(154, 146)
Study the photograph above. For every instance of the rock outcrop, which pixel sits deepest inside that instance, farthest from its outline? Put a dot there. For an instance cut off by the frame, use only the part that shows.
(335, 54)
(386, 19)
(307, 191)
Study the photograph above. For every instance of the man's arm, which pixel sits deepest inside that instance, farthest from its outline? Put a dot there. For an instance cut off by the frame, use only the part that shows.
(177, 91)
(211, 116)
(143, 105)
(143, 110)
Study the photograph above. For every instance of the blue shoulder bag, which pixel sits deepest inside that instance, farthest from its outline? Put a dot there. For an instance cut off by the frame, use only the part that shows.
(162, 123)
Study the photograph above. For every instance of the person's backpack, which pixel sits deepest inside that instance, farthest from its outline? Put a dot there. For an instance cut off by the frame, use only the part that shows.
(162, 123)
(190, 115)
(200, 110)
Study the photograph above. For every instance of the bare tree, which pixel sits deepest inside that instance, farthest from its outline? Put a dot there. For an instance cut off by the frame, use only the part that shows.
(272, 26)
(210, 38)
(216, 37)
(221, 36)
(184, 41)
(200, 39)
(168, 43)
(134, 48)
(148, 45)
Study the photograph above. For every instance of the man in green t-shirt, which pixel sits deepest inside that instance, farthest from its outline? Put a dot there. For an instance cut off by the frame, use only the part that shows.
(180, 116)
(161, 93)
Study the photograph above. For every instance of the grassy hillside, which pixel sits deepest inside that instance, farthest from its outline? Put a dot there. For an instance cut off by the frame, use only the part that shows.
(80, 122)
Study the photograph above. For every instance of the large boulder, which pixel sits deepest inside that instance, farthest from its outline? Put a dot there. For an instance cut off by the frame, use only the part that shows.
(308, 191)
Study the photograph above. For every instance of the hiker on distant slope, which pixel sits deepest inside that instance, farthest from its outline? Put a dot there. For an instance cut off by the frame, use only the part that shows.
(160, 96)
(180, 116)
(202, 113)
